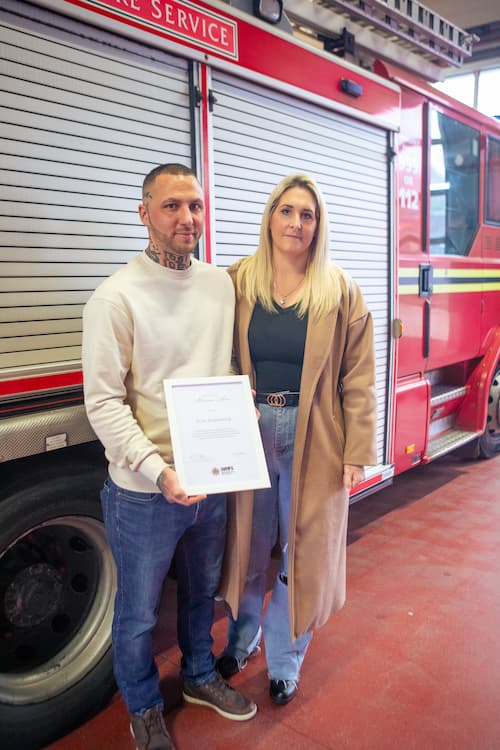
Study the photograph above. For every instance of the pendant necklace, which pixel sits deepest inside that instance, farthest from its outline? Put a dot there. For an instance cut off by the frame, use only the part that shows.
(282, 298)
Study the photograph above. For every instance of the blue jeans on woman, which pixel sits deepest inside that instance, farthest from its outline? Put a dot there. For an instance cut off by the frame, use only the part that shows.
(145, 533)
(270, 522)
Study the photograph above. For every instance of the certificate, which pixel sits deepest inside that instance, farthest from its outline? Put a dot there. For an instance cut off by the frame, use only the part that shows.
(215, 434)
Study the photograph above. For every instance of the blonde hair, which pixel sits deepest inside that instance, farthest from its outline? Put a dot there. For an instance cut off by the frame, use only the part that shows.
(321, 289)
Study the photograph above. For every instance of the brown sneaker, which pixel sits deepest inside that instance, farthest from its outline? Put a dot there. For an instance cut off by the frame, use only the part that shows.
(149, 730)
(220, 696)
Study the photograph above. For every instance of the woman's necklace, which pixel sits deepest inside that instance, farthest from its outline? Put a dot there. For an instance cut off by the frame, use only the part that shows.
(282, 298)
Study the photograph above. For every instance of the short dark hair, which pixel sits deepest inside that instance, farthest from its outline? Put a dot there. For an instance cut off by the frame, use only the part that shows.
(172, 168)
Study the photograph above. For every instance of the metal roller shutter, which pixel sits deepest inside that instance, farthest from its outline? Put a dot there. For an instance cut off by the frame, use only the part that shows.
(259, 137)
(85, 115)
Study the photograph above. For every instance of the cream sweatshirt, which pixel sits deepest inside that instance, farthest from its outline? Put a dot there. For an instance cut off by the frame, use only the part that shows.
(141, 325)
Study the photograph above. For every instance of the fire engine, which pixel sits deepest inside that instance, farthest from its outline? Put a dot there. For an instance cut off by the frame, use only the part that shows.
(97, 92)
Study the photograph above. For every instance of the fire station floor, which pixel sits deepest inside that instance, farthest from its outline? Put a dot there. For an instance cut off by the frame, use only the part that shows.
(413, 659)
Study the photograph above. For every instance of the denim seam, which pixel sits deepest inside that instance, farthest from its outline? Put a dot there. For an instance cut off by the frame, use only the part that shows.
(119, 554)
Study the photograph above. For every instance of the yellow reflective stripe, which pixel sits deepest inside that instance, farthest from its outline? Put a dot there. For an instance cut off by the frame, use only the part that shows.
(459, 273)
(408, 289)
(452, 288)
(408, 272)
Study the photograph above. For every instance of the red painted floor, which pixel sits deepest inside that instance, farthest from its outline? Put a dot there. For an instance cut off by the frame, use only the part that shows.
(411, 662)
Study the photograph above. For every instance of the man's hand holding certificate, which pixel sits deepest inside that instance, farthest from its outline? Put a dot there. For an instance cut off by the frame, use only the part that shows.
(215, 435)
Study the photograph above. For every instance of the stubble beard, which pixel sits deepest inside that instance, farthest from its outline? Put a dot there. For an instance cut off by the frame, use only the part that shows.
(166, 251)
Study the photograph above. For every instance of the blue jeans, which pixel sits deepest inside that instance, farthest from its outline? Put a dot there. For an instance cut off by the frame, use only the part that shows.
(270, 522)
(145, 534)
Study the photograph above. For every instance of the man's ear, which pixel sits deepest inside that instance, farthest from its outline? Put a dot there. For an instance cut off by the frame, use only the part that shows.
(143, 214)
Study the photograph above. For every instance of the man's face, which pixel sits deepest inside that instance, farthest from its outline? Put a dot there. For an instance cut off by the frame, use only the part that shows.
(174, 213)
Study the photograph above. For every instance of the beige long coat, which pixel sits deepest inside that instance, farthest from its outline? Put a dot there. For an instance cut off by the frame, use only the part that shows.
(335, 425)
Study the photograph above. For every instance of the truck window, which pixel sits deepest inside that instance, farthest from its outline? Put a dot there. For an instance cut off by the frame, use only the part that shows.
(454, 185)
(492, 209)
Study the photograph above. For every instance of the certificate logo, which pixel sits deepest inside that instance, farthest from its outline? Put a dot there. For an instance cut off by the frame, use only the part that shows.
(224, 470)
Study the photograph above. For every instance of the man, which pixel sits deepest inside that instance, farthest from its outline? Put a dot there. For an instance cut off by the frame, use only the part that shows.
(165, 314)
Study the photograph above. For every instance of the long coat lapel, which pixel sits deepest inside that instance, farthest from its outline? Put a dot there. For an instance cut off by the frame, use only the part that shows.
(240, 504)
(316, 353)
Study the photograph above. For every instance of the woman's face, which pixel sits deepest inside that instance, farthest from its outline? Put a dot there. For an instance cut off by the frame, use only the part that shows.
(293, 222)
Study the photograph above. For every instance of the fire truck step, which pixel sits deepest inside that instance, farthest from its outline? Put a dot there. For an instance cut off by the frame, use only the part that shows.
(443, 393)
(448, 441)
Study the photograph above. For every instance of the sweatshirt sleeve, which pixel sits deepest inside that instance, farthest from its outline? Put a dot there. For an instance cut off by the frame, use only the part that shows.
(106, 358)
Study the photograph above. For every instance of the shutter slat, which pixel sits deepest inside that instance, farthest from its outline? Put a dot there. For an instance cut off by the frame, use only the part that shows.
(259, 137)
(80, 131)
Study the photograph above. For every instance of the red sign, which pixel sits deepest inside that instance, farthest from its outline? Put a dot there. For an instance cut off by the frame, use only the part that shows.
(179, 19)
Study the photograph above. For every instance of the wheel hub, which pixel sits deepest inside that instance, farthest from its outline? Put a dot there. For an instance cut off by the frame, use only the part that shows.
(33, 596)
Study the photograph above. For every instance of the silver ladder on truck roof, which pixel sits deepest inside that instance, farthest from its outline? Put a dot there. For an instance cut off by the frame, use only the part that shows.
(402, 31)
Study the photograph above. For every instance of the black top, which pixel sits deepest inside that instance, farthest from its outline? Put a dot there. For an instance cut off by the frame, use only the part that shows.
(277, 341)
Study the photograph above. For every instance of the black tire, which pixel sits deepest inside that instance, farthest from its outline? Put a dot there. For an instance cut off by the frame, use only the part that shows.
(489, 442)
(57, 585)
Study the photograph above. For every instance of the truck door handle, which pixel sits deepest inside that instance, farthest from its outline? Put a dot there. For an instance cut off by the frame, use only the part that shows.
(425, 277)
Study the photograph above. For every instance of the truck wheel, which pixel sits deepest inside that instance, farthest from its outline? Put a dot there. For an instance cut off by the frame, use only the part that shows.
(489, 442)
(57, 584)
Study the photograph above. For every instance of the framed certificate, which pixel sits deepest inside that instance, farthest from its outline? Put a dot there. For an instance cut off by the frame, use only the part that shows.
(215, 434)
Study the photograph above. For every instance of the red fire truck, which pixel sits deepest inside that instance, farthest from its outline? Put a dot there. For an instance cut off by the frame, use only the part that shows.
(94, 94)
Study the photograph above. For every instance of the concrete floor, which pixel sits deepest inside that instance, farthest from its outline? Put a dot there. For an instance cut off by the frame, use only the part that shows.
(411, 662)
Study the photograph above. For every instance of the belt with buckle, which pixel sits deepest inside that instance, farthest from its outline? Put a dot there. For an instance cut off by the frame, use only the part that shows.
(284, 398)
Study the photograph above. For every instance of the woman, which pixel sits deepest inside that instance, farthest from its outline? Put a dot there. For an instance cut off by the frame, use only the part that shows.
(304, 336)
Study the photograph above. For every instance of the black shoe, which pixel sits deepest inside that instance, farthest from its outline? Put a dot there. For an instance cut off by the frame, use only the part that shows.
(282, 691)
(227, 665)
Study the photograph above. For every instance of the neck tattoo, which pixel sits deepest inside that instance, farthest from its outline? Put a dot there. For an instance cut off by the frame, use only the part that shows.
(169, 260)
(282, 298)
